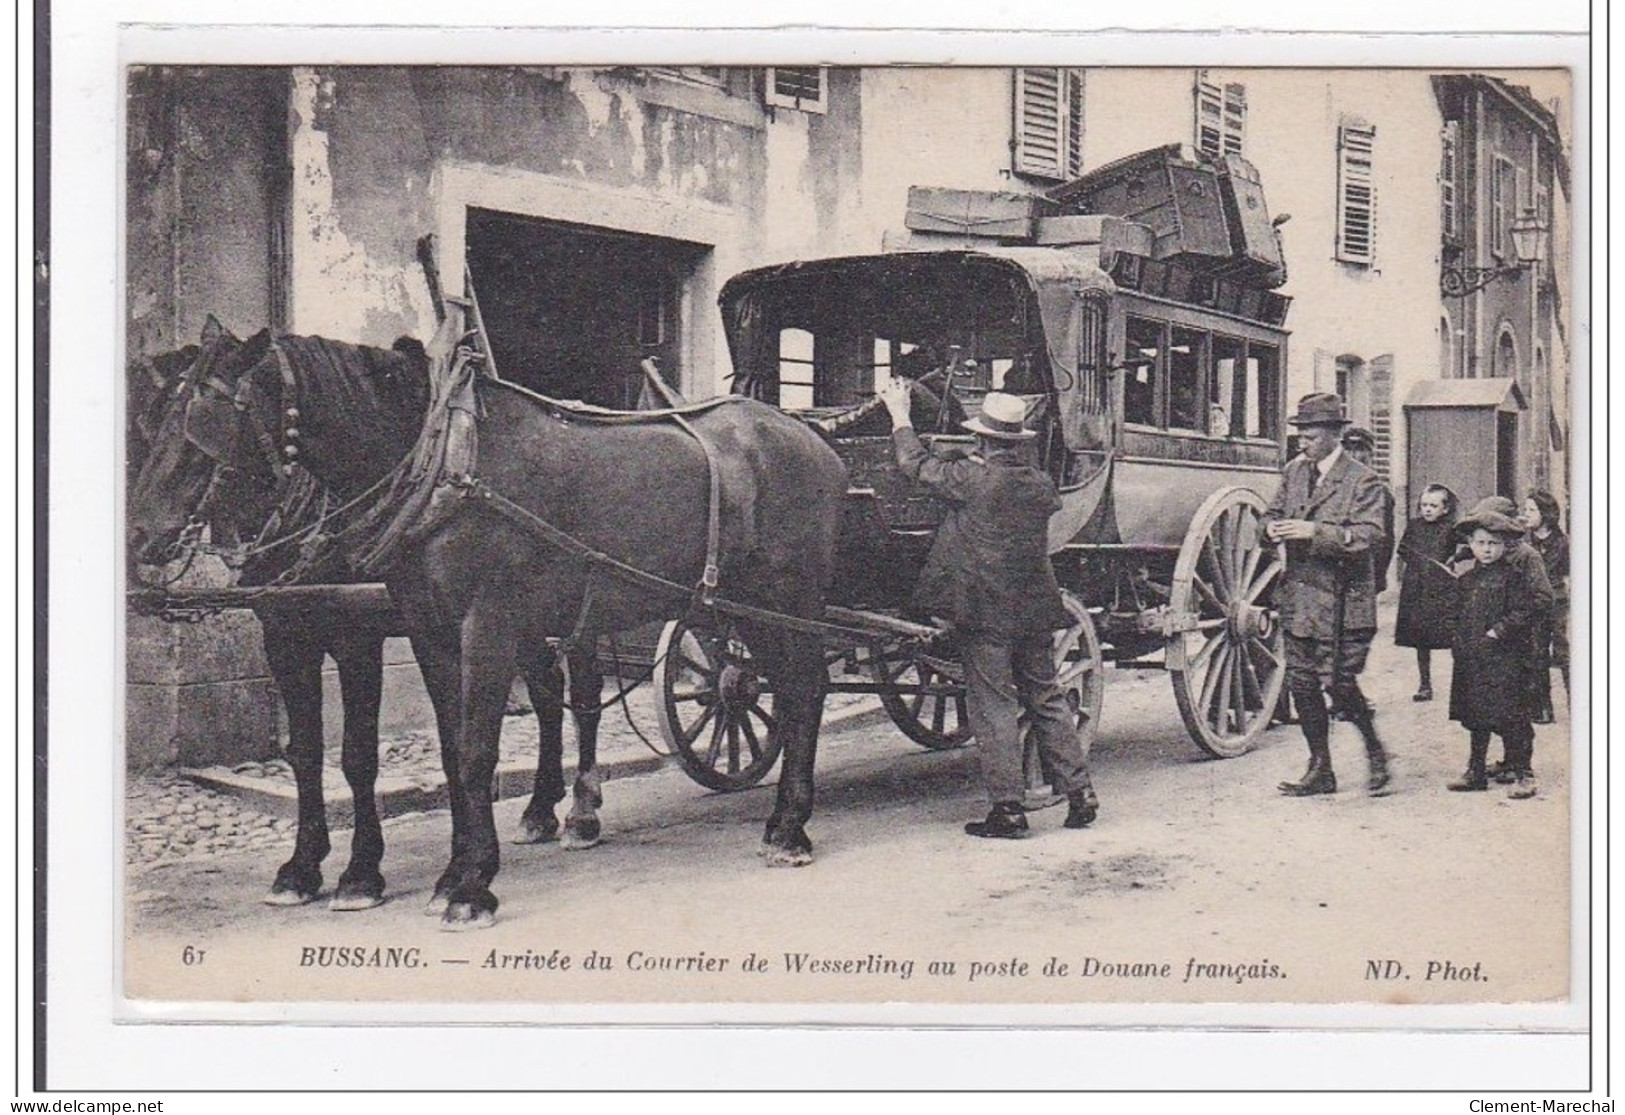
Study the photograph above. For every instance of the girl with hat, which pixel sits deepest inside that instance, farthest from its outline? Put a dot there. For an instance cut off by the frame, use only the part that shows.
(1499, 608)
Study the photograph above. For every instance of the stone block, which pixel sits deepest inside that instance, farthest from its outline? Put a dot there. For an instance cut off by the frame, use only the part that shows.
(225, 722)
(221, 647)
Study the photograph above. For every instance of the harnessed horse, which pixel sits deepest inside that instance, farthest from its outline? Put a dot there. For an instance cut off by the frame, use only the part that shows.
(572, 526)
(298, 637)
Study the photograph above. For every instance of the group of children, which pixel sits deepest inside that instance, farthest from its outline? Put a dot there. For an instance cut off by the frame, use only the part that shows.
(1499, 604)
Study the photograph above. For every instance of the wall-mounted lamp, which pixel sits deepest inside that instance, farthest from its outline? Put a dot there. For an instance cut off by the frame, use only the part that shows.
(1528, 248)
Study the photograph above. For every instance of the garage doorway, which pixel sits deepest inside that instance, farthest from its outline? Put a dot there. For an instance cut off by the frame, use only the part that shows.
(571, 310)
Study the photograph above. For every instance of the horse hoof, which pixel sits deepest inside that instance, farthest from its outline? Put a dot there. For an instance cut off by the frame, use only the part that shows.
(275, 897)
(460, 917)
(581, 833)
(436, 906)
(786, 857)
(530, 833)
(347, 903)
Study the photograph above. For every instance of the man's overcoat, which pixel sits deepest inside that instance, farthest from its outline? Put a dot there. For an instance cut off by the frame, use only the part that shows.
(988, 570)
(1346, 507)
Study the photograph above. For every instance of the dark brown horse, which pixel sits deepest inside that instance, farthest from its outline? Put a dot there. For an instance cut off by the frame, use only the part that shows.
(273, 516)
(482, 588)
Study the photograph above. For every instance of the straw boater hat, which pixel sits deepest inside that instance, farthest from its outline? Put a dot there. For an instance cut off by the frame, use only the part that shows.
(1319, 410)
(1001, 418)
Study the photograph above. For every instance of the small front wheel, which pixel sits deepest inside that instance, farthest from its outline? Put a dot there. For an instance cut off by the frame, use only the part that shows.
(714, 707)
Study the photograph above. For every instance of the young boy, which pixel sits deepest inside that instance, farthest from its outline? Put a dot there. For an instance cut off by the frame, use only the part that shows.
(1488, 690)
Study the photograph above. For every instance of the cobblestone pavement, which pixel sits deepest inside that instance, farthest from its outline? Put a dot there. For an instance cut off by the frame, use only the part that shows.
(168, 817)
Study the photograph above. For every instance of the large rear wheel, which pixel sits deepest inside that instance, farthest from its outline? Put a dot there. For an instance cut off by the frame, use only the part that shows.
(1226, 652)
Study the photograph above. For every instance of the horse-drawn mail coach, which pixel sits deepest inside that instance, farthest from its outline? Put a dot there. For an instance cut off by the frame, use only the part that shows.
(1135, 311)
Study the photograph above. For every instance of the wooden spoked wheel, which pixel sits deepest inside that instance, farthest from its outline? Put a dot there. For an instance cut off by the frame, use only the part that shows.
(714, 707)
(1226, 653)
(1080, 669)
(923, 694)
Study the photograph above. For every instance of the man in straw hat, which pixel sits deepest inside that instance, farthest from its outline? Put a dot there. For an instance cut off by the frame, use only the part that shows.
(1328, 511)
(989, 575)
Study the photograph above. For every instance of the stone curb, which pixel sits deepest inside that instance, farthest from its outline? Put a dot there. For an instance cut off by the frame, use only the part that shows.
(399, 795)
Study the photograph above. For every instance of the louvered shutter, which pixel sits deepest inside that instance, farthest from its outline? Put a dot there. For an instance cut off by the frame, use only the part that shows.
(1048, 122)
(1449, 217)
(1356, 194)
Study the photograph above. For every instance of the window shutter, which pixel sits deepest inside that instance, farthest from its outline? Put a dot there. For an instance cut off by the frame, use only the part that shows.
(1449, 219)
(1235, 118)
(1221, 117)
(1048, 140)
(799, 87)
(1503, 187)
(1040, 119)
(1356, 194)
(1073, 162)
(1209, 129)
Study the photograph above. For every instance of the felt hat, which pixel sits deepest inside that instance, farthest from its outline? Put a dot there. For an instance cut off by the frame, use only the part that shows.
(1001, 418)
(1500, 505)
(1320, 409)
(1492, 521)
(1358, 437)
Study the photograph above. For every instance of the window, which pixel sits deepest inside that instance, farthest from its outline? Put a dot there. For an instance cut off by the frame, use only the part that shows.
(1187, 354)
(1506, 354)
(1447, 349)
(1264, 389)
(1048, 141)
(795, 369)
(1354, 388)
(800, 87)
(1449, 217)
(1503, 206)
(1356, 193)
(1141, 364)
(1221, 117)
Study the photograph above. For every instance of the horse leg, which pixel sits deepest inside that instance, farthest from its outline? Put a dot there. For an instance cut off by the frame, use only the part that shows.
(296, 665)
(796, 666)
(538, 824)
(440, 661)
(489, 654)
(361, 680)
(582, 828)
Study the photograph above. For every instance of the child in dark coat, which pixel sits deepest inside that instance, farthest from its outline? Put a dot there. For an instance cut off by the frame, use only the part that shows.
(1542, 519)
(1488, 683)
(1427, 591)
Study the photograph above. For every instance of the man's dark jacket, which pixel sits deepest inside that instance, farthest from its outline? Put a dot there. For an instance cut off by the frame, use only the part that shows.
(988, 570)
(1346, 507)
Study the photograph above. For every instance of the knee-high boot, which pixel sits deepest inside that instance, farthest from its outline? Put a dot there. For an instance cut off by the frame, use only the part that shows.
(1379, 777)
(1318, 778)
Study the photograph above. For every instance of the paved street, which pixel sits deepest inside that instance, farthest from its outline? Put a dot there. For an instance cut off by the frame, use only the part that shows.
(1198, 883)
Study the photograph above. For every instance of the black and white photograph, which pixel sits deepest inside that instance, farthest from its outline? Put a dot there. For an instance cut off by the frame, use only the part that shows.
(782, 540)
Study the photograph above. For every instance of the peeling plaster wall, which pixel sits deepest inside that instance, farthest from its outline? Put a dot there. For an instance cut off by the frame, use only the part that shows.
(366, 142)
(205, 157)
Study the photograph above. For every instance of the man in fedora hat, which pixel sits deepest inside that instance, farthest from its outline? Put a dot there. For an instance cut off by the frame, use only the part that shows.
(1361, 444)
(989, 575)
(1328, 511)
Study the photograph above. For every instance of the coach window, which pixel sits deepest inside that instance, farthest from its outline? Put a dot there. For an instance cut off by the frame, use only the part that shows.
(1142, 365)
(1186, 353)
(795, 369)
(1263, 391)
(1232, 410)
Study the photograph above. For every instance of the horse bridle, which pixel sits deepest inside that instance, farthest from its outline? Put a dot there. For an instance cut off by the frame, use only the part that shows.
(201, 426)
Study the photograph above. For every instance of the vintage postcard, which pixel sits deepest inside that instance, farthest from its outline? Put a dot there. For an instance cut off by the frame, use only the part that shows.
(382, 324)
(652, 536)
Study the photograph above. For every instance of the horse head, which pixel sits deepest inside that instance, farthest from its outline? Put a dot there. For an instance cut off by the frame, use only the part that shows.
(204, 456)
